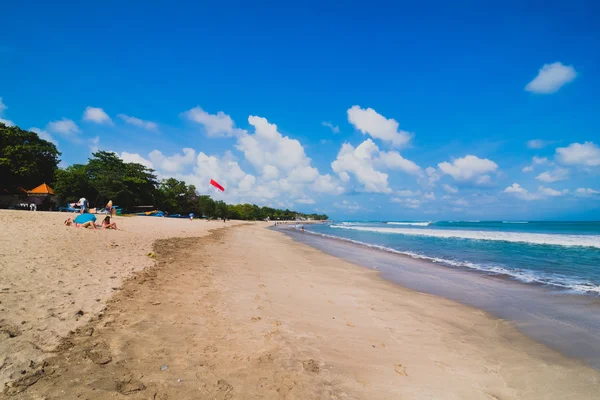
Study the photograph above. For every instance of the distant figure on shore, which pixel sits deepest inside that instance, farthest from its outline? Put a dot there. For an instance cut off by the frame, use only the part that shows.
(83, 203)
(106, 224)
(109, 207)
(302, 228)
(191, 216)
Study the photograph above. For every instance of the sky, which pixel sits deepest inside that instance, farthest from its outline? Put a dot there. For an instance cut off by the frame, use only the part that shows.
(364, 111)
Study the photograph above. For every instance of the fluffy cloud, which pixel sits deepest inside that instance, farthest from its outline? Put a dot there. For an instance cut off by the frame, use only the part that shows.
(393, 160)
(542, 192)
(135, 158)
(410, 203)
(408, 193)
(368, 121)
(550, 192)
(450, 189)
(432, 175)
(149, 125)
(429, 196)
(3, 107)
(359, 162)
(64, 127)
(334, 128)
(469, 167)
(550, 78)
(586, 154)
(269, 147)
(94, 144)
(535, 161)
(586, 191)
(327, 184)
(173, 164)
(305, 200)
(520, 192)
(97, 115)
(44, 135)
(347, 205)
(558, 174)
(219, 124)
(538, 143)
(270, 172)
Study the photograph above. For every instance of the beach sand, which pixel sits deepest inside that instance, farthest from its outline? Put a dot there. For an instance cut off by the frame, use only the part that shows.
(245, 312)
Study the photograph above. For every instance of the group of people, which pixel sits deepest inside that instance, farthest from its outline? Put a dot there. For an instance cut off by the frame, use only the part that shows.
(106, 224)
(91, 222)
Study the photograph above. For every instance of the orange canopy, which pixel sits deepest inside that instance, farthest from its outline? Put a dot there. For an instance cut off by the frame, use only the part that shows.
(42, 189)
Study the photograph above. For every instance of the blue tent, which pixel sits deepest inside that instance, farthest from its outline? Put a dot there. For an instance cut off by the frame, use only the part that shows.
(83, 218)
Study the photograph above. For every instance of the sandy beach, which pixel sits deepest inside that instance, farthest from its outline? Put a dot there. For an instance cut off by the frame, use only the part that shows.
(223, 311)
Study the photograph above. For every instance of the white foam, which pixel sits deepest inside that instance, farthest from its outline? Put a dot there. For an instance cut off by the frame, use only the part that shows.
(410, 223)
(516, 237)
(558, 281)
(515, 222)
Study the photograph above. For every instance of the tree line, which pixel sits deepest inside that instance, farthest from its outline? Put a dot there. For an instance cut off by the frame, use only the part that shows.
(26, 161)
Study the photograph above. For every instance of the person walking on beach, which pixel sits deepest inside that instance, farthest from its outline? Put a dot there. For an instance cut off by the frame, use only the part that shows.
(191, 216)
(83, 203)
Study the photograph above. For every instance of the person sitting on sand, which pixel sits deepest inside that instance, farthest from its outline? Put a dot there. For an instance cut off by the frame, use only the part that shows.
(88, 224)
(106, 224)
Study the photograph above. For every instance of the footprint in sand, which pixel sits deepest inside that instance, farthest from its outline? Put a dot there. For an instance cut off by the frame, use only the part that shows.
(350, 324)
(262, 285)
(256, 319)
(400, 369)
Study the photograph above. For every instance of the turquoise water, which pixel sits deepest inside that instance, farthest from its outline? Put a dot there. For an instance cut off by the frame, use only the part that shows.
(561, 255)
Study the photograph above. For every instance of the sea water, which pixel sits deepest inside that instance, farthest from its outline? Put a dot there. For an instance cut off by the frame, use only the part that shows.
(560, 255)
(542, 276)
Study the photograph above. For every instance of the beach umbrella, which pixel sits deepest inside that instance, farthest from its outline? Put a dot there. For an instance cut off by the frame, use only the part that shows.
(83, 218)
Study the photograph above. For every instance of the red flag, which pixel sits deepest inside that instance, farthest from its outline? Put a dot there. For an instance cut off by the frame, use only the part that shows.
(217, 185)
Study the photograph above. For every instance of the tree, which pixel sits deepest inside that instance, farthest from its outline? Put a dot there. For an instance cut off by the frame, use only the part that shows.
(106, 177)
(25, 160)
(72, 183)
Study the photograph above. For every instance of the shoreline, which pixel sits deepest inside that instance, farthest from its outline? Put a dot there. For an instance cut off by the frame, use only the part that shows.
(247, 312)
(569, 323)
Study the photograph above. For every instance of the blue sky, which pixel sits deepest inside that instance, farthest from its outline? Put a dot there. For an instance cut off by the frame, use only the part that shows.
(431, 107)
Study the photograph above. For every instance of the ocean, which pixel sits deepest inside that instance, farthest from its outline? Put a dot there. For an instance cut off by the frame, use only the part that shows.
(560, 255)
(544, 277)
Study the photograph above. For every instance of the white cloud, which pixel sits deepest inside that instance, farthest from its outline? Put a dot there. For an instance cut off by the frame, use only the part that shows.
(586, 191)
(224, 170)
(219, 124)
(538, 143)
(368, 121)
(270, 172)
(135, 158)
(550, 78)
(410, 203)
(359, 162)
(149, 125)
(327, 184)
(520, 192)
(559, 174)
(269, 147)
(173, 164)
(3, 107)
(393, 160)
(94, 144)
(540, 160)
(347, 205)
(305, 200)
(528, 168)
(7, 122)
(429, 196)
(44, 135)
(469, 167)
(97, 115)
(549, 191)
(542, 192)
(586, 154)
(433, 175)
(334, 128)
(408, 193)
(64, 127)
(450, 189)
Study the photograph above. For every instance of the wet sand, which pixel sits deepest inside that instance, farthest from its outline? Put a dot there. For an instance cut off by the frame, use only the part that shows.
(246, 312)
